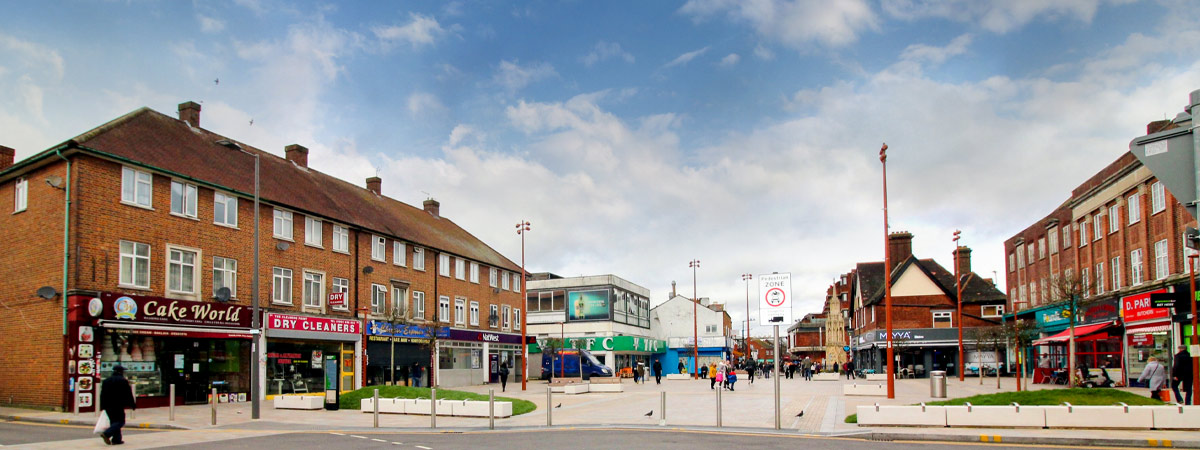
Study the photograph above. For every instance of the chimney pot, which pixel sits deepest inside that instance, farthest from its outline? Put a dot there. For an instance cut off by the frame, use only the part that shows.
(298, 154)
(190, 112)
(899, 249)
(374, 184)
(962, 260)
(433, 207)
(7, 157)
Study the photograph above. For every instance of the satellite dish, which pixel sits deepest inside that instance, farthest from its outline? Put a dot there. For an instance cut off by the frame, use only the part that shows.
(368, 269)
(47, 292)
(222, 295)
(282, 246)
(54, 181)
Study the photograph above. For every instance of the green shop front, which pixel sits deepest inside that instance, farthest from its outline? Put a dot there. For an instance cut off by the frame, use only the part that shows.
(622, 352)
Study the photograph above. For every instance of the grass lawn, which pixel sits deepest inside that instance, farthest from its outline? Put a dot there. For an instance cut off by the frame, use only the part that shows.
(1047, 397)
(353, 399)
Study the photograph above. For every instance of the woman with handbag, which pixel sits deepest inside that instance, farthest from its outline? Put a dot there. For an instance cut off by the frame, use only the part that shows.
(1157, 374)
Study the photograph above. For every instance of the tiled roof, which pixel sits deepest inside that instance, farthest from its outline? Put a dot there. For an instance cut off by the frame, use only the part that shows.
(976, 289)
(166, 143)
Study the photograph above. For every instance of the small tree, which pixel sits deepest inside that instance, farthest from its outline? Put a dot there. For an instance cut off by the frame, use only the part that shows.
(1020, 334)
(1073, 291)
(988, 339)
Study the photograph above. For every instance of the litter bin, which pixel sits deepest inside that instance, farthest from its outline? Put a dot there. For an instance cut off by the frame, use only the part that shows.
(937, 384)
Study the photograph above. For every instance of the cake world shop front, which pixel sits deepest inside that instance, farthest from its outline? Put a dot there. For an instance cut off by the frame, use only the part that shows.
(195, 346)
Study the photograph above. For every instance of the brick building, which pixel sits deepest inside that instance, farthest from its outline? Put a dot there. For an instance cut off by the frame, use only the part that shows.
(924, 310)
(1116, 239)
(806, 337)
(156, 215)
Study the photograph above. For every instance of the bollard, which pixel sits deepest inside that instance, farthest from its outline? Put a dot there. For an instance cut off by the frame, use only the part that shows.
(662, 406)
(77, 399)
(171, 404)
(549, 407)
(719, 389)
(96, 400)
(376, 403)
(214, 406)
(433, 408)
(492, 409)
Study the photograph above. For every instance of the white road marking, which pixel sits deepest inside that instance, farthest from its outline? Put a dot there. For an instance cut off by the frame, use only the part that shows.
(424, 447)
(378, 440)
(339, 434)
(360, 437)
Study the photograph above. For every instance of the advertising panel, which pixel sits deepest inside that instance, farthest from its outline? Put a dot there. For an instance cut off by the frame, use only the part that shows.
(589, 305)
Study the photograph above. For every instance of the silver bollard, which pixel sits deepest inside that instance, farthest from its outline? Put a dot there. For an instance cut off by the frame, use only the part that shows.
(96, 401)
(492, 409)
(171, 404)
(214, 406)
(662, 406)
(76, 399)
(719, 389)
(433, 408)
(375, 402)
(549, 407)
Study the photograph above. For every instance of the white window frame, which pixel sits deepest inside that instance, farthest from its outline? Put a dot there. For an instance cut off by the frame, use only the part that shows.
(1066, 237)
(1033, 292)
(944, 315)
(1012, 262)
(280, 294)
(460, 269)
(1099, 278)
(132, 183)
(1136, 272)
(185, 204)
(227, 206)
(341, 239)
(444, 265)
(1161, 258)
(1133, 204)
(1085, 282)
(444, 309)
(399, 301)
(138, 255)
(1020, 256)
(1042, 248)
(1052, 240)
(283, 224)
(516, 282)
(228, 275)
(399, 253)
(474, 314)
(493, 309)
(1083, 237)
(314, 283)
(996, 311)
(20, 195)
(506, 317)
(504, 280)
(1029, 250)
(1114, 218)
(1158, 198)
(378, 298)
(378, 248)
(419, 259)
(516, 318)
(418, 299)
(460, 311)
(340, 285)
(1116, 273)
(1097, 230)
(474, 272)
(493, 277)
(195, 267)
(313, 232)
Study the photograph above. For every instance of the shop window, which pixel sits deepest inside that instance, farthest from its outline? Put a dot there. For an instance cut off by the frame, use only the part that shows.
(341, 239)
(460, 311)
(298, 367)
(378, 299)
(378, 248)
(313, 233)
(418, 305)
(135, 187)
(943, 319)
(475, 314)
(224, 209)
(993, 310)
(418, 258)
(281, 286)
(507, 315)
(443, 264)
(314, 289)
(135, 265)
(181, 270)
(152, 364)
(183, 199)
(474, 272)
(493, 277)
(532, 301)
(399, 253)
(283, 224)
(341, 286)
(443, 309)
(20, 195)
(225, 275)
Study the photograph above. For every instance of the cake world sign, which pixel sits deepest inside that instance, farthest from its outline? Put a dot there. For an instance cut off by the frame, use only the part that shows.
(775, 299)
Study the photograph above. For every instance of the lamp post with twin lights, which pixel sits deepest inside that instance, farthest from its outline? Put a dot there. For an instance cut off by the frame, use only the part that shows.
(887, 283)
(746, 342)
(695, 264)
(522, 228)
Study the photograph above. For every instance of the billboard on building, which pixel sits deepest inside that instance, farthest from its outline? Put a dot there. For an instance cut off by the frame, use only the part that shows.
(589, 305)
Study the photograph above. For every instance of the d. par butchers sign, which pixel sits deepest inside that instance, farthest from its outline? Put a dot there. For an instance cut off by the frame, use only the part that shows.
(775, 299)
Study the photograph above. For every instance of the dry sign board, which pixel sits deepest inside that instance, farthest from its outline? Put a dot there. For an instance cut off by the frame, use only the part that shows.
(775, 299)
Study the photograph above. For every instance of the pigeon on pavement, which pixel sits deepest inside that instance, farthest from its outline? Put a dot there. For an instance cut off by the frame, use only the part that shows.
(559, 405)
(651, 413)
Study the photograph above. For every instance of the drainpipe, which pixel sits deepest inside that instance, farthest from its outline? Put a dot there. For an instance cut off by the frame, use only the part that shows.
(66, 239)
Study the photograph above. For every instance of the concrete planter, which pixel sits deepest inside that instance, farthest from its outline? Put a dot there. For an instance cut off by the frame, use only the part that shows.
(678, 376)
(826, 376)
(386, 405)
(299, 402)
(923, 416)
(876, 377)
(878, 390)
(606, 387)
(1066, 416)
(1176, 417)
(993, 416)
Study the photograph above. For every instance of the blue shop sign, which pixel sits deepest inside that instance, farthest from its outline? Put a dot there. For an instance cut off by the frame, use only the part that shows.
(1053, 318)
(381, 328)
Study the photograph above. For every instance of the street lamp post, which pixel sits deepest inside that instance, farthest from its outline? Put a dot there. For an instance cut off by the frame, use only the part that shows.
(255, 351)
(746, 343)
(887, 283)
(522, 227)
(694, 264)
(958, 320)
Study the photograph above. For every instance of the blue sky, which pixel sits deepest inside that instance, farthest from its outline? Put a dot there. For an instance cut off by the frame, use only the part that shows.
(637, 136)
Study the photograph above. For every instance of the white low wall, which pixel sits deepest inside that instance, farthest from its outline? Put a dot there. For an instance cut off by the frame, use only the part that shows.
(572, 389)
(826, 376)
(1176, 417)
(992, 416)
(299, 402)
(864, 389)
(929, 416)
(386, 405)
(678, 376)
(876, 377)
(1099, 417)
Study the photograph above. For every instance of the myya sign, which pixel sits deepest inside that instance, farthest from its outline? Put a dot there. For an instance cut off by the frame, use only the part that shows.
(611, 344)
(172, 312)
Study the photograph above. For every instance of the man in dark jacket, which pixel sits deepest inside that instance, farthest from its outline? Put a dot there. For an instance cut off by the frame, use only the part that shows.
(1181, 374)
(115, 396)
(503, 376)
(657, 368)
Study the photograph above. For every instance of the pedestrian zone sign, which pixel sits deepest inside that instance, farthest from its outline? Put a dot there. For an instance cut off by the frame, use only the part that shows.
(775, 299)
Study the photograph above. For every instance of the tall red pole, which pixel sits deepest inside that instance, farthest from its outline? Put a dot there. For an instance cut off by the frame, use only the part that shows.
(522, 227)
(887, 283)
(958, 320)
(695, 329)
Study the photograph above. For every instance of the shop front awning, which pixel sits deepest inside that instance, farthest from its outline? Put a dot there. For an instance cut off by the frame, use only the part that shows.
(1080, 331)
(1157, 327)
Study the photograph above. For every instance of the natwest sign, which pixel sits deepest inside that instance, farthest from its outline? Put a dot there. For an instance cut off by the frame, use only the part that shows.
(1137, 308)
(308, 323)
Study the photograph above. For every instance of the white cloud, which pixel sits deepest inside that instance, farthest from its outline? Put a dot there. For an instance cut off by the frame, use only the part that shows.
(685, 58)
(794, 23)
(605, 50)
(995, 16)
(763, 53)
(26, 57)
(921, 53)
(209, 24)
(730, 60)
(420, 30)
(512, 76)
(423, 103)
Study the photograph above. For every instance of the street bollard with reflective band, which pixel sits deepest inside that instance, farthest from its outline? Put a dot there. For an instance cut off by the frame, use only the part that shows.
(491, 409)
(719, 389)
(662, 406)
(214, 406)
(375, 402)
(433, 408)
(171, 404)
(549, 408)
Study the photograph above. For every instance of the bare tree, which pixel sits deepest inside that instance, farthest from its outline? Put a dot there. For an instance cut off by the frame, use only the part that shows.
(988, 339)
(1020, 334)
(1073, 291)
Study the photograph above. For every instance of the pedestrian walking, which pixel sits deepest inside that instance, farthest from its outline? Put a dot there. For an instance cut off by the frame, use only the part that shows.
(835, 367)
(850, 370)
(416, 375)
(1157, 376)
(115, 396)
(719, 378)
(750, 371)
(682, 367)
(1181, 374)
(731, 378)
(657, 368)
(503, 376)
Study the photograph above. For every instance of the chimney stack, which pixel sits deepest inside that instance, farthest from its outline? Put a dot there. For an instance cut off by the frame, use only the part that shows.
(1160, 125)
(7, 157)
(190, 112)
(899, 249)
(433, 207)
(299, 154)
(672, 288)
(374, 184)
(962, 260)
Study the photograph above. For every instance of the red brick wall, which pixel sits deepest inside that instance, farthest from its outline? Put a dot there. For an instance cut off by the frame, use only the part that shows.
(917, 312)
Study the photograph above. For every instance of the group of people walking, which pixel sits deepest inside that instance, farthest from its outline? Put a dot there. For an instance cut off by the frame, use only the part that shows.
(1155, 376)
(721, 372)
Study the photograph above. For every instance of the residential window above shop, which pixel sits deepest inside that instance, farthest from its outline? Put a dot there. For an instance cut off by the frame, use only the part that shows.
(418, 305)
(1084, 282)
(1114, 218)
(444, 309)
(494, 316)
(460, 311)
(1020, 257)
(1097, 231)
(1066, 232)
(378, 248)
(314, 289)
(1045, 290)
(710, 329)
(1012, 262)
(1052, 237)
(378, 299)
(281, 286)
(181, 270)
(460, 269)
(1116, 273)
(493, 277)
(1135, 267)
(225, 275)
(341, 239)
(1099, 278)
(399, 302)
(943, 319)
(1029, 249)
(135, 187)
(1041, 248)
(283, 224)
(475, 314)
(313, 232)
(1134, 206)
(1158, 198)
(474, 272)
(399, 253)
(341, 286)
(135, 265)
(504, 280)
(1033, 292)
(418, 258)
(516, 318)
(507, 315)
(224, 209)
(516, 282)
(1083, 240)
(20, 195)
(443, 264)
(183, 199)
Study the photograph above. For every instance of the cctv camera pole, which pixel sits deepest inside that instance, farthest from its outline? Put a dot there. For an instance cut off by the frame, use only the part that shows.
(255, 389)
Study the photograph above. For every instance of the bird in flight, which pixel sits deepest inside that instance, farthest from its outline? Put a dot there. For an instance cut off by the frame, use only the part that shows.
(650, 414)
(217, 81)
(251, 122)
